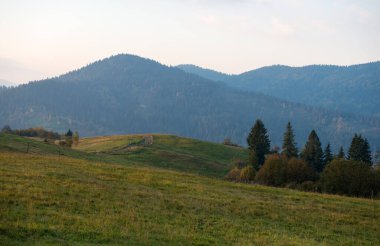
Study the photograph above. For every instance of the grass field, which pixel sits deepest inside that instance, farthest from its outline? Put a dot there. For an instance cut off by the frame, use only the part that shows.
(73, 199)
(170, 152)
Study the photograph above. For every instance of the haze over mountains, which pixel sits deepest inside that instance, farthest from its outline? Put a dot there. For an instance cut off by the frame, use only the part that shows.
(130, 94)
(4, 82)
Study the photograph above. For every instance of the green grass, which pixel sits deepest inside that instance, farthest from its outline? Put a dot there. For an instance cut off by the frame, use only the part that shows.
(102, 193)
(44, 200)
(167, 151)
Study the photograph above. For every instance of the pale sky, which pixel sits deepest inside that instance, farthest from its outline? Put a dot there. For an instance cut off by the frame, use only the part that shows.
(40, 39)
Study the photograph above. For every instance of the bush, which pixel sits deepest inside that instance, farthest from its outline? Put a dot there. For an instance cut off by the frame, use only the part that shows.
(228, 142)
(273, 172)
(247, 174)
(234, 174)
(349, 177)
(298, 171)
(279, 171)
(241, 172)
(37, 132)
(376, 181)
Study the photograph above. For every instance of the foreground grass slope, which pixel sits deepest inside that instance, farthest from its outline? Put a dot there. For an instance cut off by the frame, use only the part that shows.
(167, 151)
(46, 200)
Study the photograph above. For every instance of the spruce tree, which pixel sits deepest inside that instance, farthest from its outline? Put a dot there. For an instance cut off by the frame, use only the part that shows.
(69, 133)
(312, 153)
(341, 154)
(258, 143)
(366, 157)
(360, 150)
(289, 148)
(327, 155)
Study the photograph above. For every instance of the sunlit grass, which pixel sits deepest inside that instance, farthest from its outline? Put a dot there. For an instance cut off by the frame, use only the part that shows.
(46, 200)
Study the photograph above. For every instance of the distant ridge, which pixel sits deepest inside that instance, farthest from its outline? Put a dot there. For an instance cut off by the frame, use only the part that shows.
(351, 89)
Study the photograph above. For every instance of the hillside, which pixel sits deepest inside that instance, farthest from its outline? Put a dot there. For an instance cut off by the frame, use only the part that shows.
(167, 151)
(129, 94)
(352, 89)
(49, 200)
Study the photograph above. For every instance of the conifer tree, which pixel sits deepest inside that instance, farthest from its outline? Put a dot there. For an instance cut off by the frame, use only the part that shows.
(341, 154)
(312, 153)
(367, 158)
(327, 155)
(360, 150)
(69, 138)
(289, 148)
(258, 143)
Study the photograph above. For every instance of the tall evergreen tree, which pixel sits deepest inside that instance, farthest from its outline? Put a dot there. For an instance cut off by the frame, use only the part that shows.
(258, 143)
(327, 155)
(69, 133)
(289, 148)
(312, 153)
(341, 154)
(360, 150)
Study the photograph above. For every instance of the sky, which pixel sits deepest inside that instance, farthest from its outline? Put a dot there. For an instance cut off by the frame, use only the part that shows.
(40, 39)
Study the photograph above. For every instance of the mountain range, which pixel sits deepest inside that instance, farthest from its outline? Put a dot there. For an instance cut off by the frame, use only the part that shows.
(351, 89)
(129, 94)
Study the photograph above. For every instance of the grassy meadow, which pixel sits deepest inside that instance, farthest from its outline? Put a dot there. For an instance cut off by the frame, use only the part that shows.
(103, 193)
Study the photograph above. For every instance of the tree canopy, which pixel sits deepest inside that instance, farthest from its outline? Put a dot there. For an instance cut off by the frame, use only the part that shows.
(312, 153)
(258, 142)
(360, 150)
(289, 148)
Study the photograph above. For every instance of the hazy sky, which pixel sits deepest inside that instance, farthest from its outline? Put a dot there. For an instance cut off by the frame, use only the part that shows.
(48, 38)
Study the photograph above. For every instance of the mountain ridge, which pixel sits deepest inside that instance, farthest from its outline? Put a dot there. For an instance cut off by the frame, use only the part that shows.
(349, 89)
(128, 94)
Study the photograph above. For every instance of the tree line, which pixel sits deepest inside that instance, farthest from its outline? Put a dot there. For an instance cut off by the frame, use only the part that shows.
(312, 168)
(66, 139)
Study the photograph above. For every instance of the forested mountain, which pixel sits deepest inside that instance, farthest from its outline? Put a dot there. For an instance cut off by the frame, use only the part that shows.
(353, 89)
(129, 94)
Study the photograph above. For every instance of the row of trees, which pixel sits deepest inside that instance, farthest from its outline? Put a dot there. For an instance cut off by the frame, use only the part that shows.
(32, 132)
(310, 169)
(68, 139)
(312, 153)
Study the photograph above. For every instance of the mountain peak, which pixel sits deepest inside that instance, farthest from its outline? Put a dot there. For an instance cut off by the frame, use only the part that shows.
(116, 65)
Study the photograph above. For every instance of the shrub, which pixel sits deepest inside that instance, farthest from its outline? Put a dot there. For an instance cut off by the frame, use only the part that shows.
(247, 174)
(228, 142)
(348, 177)
(280, 171)
(37, 132)
(376, 181)
(298, 171)
(234, 174)
(273, 172)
